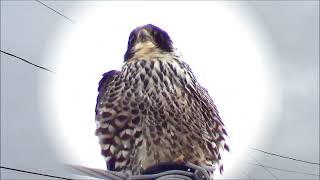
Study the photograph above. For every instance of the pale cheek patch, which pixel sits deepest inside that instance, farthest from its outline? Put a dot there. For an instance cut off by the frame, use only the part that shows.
(143, 45)
(144, 50)
(146, 44)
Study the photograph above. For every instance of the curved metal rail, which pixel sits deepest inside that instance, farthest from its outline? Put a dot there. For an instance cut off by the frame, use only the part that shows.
(194, 172)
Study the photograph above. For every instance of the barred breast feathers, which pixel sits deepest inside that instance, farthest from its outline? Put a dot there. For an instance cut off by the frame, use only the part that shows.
(173, 69)
(151, 72)
(154, 110)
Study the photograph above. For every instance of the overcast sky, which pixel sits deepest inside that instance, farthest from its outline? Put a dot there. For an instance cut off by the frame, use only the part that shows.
(293, 30)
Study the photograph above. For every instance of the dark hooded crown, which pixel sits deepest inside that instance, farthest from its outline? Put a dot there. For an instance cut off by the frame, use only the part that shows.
(145, 33)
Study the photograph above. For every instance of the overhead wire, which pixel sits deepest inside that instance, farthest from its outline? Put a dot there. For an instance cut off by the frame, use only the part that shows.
(258, 163)
(34, 173)
(246, 174)
(24, 60)
(285, 157)
(57, 12)
(284, 170)
(273, 175)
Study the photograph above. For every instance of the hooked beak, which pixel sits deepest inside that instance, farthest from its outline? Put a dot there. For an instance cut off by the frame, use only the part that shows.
(143, 35)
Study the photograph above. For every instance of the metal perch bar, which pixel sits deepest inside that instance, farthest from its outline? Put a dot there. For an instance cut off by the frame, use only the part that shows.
(198, 173)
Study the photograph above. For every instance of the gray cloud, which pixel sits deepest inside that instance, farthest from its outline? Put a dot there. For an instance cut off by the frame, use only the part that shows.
(293, 29)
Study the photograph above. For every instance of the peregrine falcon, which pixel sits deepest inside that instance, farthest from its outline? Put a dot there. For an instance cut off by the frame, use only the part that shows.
(154, 111)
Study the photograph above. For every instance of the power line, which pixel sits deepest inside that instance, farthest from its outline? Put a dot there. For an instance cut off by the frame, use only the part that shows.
(264, 167)
(285, 170)
(35, 173)
(285, 157)
(55, 11)
(27, 61)
(259, 164)
(246, 174)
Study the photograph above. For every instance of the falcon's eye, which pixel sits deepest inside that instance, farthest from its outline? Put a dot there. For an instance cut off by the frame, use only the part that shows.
(131, 39)
(154, 33)
(159, 38)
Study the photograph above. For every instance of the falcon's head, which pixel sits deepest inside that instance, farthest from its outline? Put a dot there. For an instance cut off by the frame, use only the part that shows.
(148, 36)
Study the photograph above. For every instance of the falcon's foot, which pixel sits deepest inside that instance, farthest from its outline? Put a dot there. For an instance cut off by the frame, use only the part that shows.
(179, 159)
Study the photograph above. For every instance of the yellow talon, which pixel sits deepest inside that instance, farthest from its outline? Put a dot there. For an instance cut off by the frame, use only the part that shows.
(179, 159)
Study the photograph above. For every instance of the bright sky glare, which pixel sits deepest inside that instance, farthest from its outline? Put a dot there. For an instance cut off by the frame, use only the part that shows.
(221, 46)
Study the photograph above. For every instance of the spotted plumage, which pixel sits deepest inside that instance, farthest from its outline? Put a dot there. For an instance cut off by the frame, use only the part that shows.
(154, 111)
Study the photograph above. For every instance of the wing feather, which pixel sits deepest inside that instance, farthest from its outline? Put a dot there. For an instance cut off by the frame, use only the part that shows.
(117, 119)
(213, 130)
